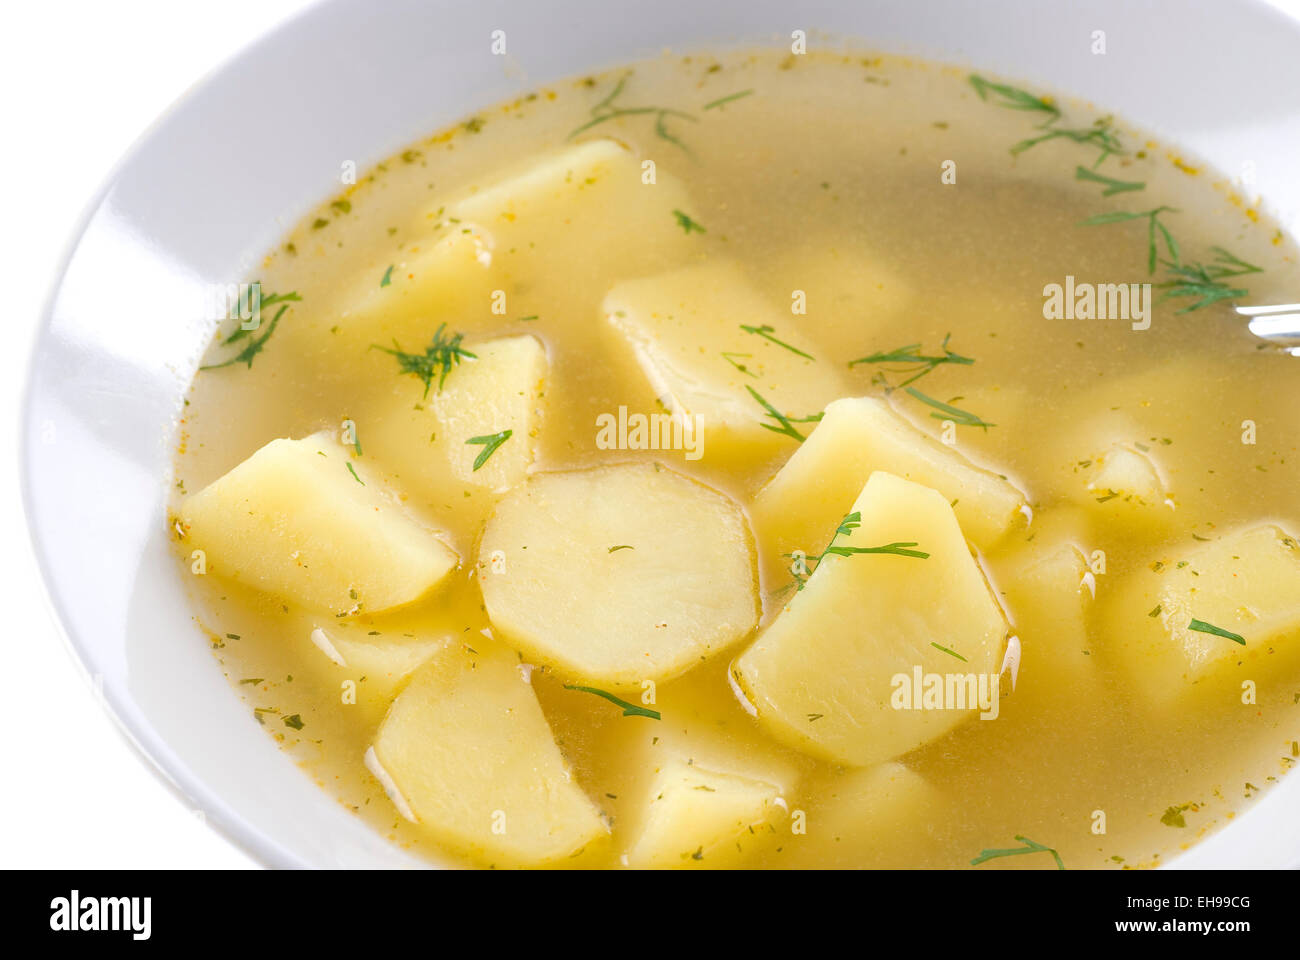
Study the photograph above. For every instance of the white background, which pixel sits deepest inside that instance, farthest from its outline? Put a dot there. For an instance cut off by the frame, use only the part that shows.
(81, 80)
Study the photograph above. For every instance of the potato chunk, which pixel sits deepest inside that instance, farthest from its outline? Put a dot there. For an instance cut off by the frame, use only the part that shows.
(869, 816)
(424, 440)
(404, 298)
(1120, 485)
(618, 574)
(822, 676)
(1246, 583)
(383, 661)
(800, 507)
(574, 207)
(466, 752)
(295, 521)
(687, 330)
(1047, 591)
(696, 817)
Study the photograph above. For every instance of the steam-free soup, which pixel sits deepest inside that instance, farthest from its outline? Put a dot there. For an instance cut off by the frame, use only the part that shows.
(763, 460)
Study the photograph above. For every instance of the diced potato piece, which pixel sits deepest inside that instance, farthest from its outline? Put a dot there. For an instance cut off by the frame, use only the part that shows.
(1128, 474)
(801, 506)
(852, 291)
(383, 661)
(424, 441)
(1121, 486)
(1246, 583)
(700, 817)
(305, 520)
(822, 675)
(574, 207)
(870, 817)
(1047, 589)
(405, 298)
(620, 758)
(466, 752)
(618, 574)
(686, 330)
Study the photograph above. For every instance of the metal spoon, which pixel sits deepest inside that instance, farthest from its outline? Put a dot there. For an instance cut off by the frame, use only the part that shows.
(1278, 324)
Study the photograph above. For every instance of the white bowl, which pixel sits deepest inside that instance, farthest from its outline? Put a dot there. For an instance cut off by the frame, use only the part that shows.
(221, 176)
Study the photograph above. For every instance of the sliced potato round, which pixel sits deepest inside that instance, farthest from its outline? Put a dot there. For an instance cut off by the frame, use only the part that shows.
(618, 574)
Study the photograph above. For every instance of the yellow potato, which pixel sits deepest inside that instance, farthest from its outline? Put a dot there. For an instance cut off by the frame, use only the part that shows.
(696, 817)
(618, 574)
(826, 675)
(466, 752)
(1246, 583)
(800, 507)
(308, 521)
(568, 212)
(423, 440)
(686, 329)
(864, 818)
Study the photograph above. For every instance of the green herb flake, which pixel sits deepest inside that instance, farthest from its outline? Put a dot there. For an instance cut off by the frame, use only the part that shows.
(255, 344)
(1173, 817)
(951, 653)
(388, 276)
(916, 363)
(1200, 626)
(785, 423)
(730, 98)
(948, 412)
(1112, 185)
(440, 357)
(766, 331)
(489, 442)
(608, 109)
(687, 224)
(1030, 846)
(629, 709)
(294, 721)
(1013, 98)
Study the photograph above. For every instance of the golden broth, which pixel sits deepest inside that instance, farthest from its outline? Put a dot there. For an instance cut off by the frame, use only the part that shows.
(829, 179)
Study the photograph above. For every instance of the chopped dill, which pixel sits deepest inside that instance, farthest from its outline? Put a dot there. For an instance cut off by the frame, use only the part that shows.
(1030, 846)
(1112, 185)
(251, 303)
(1205, 281)
(1013, 98)
(721, 101)
(766, 331)
(948, 412)
(730, 358)
(786, 425)
(951, 653)
(388, 276)
(915, 362)
(1100, 135)
(1200, 626)
(608, 109)
(489, 442)
(629, 709)
(846, 527)
(439, 358)
(687, 224)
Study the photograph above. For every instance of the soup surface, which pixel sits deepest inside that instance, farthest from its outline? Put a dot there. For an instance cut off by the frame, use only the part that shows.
(763, 460)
